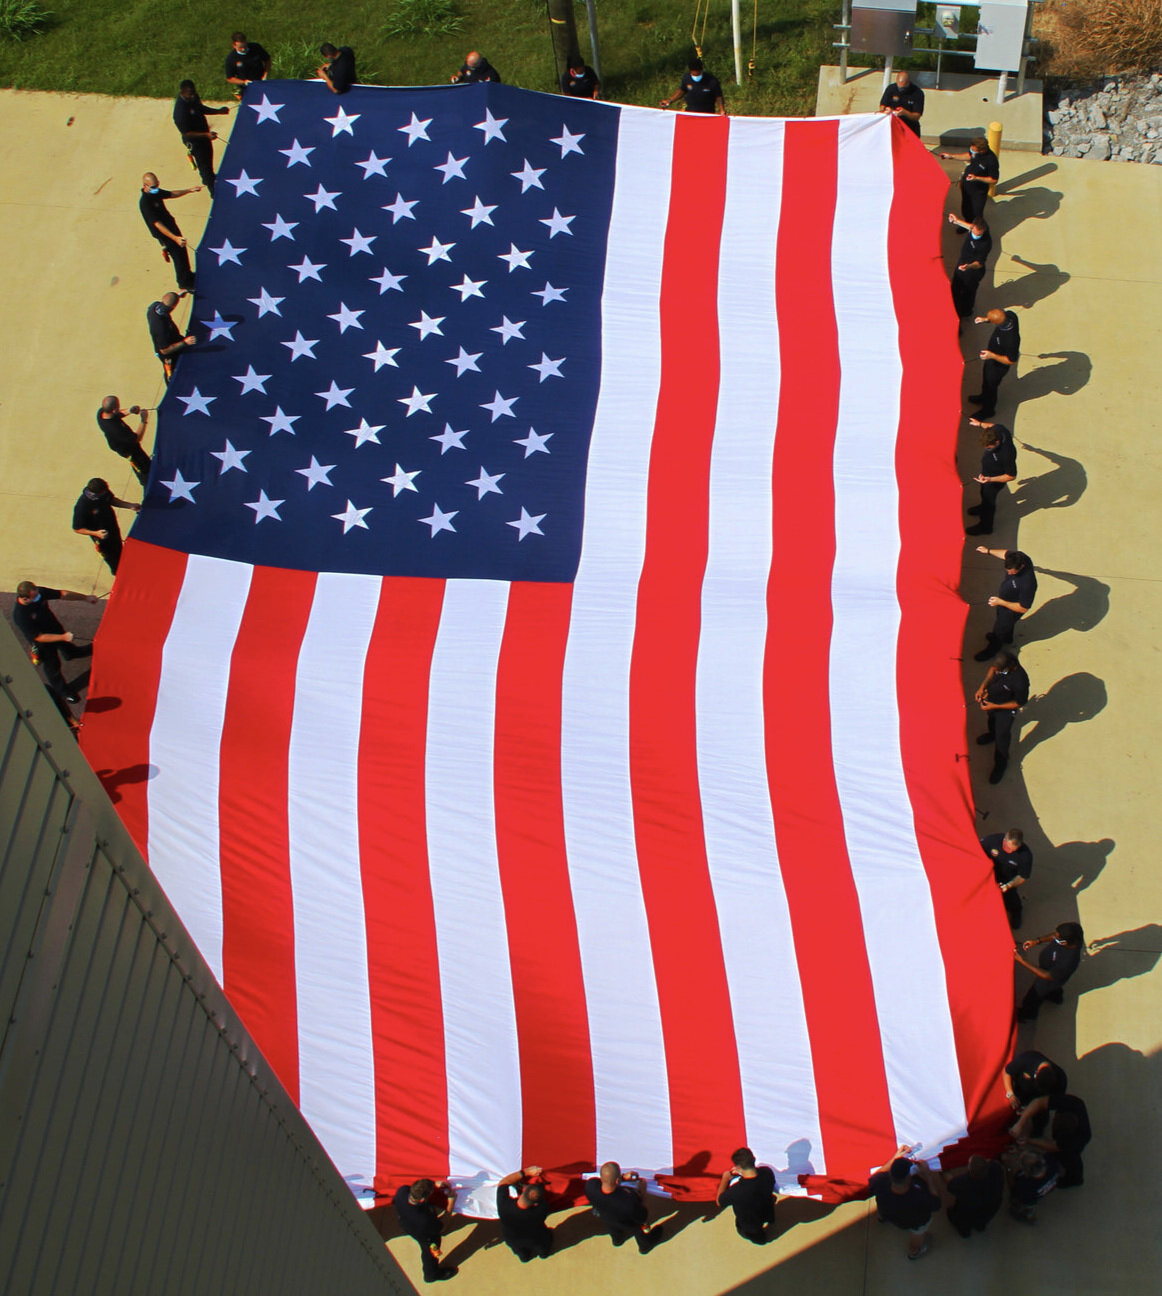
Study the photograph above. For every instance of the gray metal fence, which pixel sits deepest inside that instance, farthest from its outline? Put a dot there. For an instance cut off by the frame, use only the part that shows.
(145, 1145)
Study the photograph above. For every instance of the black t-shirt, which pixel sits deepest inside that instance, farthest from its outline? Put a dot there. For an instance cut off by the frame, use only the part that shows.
(162, 330)
(117, 433)
(752, 1199)
(189, 116)
(483, 71)
(1060, 1104)
(909, 1209)
(1005, 339)
(95, 515)
(1010, 685)
(250, 66)
(1022, 1071)
(580, 87)
(701, 96)
(37, 618)
(982, 164)
(910, 98)
(342, 69)
(153, 209)
(1021, 588)
(419, 1222)
(975, 249)
(521, 1226)
(1060, 961)
(1007, 865)
(1000, 460)
(623, 1208)
(979, 1199)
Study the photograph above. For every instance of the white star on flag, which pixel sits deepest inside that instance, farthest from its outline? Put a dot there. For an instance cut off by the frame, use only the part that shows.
(438, 520)
(280, 228)
(548, 368)
(492, 127)
(501, 406)
(336, 395)
(485, 483)
(296, 154)
(243, 184)
(196, 403)
(179, 488)
(549, 294)
(388, 281)
(352, 517)
(229, 457)
(469, 288)
(465, 362)
(517, 260)
(508, 330)
(426, 325)
(529, 176)
(558, 224)
(401, 480)
(401, 209)
(569, 142)
(359, 242)
(219, 327)
(267, 111)
(534, 443)
(306, 269)
(342, 123)
(364, 432)
(302, 346)
(267, 305)
(437, 251)
(448, 439)
(265, 507)
(252, 381)
(316, 474)
(527, 525)
(453, 169)
(280, 422)
(227, 252)
(417, 402)
(373, 165)
(415, 129)
(479, 213)
(382, 356)
(346, 318)
(321, 198)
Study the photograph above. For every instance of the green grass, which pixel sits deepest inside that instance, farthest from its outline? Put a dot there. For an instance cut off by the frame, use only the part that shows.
(135, 47)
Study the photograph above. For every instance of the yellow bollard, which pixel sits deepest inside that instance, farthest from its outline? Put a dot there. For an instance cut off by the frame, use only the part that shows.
(995, 131)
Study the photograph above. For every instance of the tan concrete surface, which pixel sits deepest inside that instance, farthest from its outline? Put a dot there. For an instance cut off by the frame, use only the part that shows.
(964, 105)
(81, 271)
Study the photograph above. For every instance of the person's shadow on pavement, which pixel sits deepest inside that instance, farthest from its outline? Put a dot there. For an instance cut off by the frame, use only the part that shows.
(1060, 488)
(1072, 700)
(1081, 609)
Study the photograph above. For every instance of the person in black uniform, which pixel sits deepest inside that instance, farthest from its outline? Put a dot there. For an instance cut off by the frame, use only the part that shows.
(167, 339)
(905, 101)
(751, 1196)
(246, 62)
(982, 170)
(189, 116)
(338, 69)
(164, 228)
(120, 436)
(420, 1218)
(977, 1193)
(580, 81)
(93, 516)
(1003, 692)
(998, 467)
(619, 1202)
(701, 90)
(1012, 868)
(474, 69)
(1031, 1075)
(1034, 1177)
(999, 356)
(1067, 1137)
(1012, 600)
(905, 1196)
(37, 622)
(522, 1218)
(1056, 963)
(970, 264)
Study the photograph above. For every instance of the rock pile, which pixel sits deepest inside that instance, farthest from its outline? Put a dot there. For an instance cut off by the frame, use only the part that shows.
(1116, 119)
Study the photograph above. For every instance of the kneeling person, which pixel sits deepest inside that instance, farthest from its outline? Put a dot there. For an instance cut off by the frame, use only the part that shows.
(619, 1203)
(522, 1218)
(751, 1195)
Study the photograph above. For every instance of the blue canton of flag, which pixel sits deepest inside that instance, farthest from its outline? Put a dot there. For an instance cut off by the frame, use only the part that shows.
(398, 318)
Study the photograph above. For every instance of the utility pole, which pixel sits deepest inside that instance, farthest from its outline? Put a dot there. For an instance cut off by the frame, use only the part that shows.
(594, 47)
(563, 29)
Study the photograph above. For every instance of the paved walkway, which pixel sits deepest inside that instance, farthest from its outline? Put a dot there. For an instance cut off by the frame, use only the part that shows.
(1083, 407)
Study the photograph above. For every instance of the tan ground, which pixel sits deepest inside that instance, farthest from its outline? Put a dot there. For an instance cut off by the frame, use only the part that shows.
(81, 271)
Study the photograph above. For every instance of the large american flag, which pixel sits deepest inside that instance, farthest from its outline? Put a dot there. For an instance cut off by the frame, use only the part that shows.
(534, 674)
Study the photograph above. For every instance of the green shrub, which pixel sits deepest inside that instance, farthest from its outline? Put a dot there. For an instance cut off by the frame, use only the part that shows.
(293, 60)
(423, 18)
(20, 19)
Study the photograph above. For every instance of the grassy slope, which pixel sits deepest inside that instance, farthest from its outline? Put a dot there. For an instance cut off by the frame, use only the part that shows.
(135, 47)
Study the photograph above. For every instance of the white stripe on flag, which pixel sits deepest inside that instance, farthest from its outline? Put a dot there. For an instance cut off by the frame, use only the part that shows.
(336, 1061)
(774, 1051)
(629, 1064)
(184, 746)
(480, 1034)
(906, 964)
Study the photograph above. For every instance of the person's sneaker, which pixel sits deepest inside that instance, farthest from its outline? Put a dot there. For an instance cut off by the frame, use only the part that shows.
(651, 1239)
(998, 772)
(978, 530)
(445, 1272)
(975, 509)
(985, 739)
(72, 697)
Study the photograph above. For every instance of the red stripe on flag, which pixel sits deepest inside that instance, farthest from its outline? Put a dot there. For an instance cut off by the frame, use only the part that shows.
(705, 1090)
(932, 620)
(407, 1019)
(258, 938)
(126, 675)
(559, 1112)
(839, 1002)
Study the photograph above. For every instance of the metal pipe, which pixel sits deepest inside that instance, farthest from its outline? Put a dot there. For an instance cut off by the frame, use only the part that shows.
(887, 71)
(594, 47)
(846, 20)
(736, 31)
(1002, 84)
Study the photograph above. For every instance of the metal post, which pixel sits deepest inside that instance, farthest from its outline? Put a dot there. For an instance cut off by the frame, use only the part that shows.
(995, 131)
(736, 29)
(887, 71)
(846, 20)
(1002, 83)
(595, 50)
(1021, 75)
